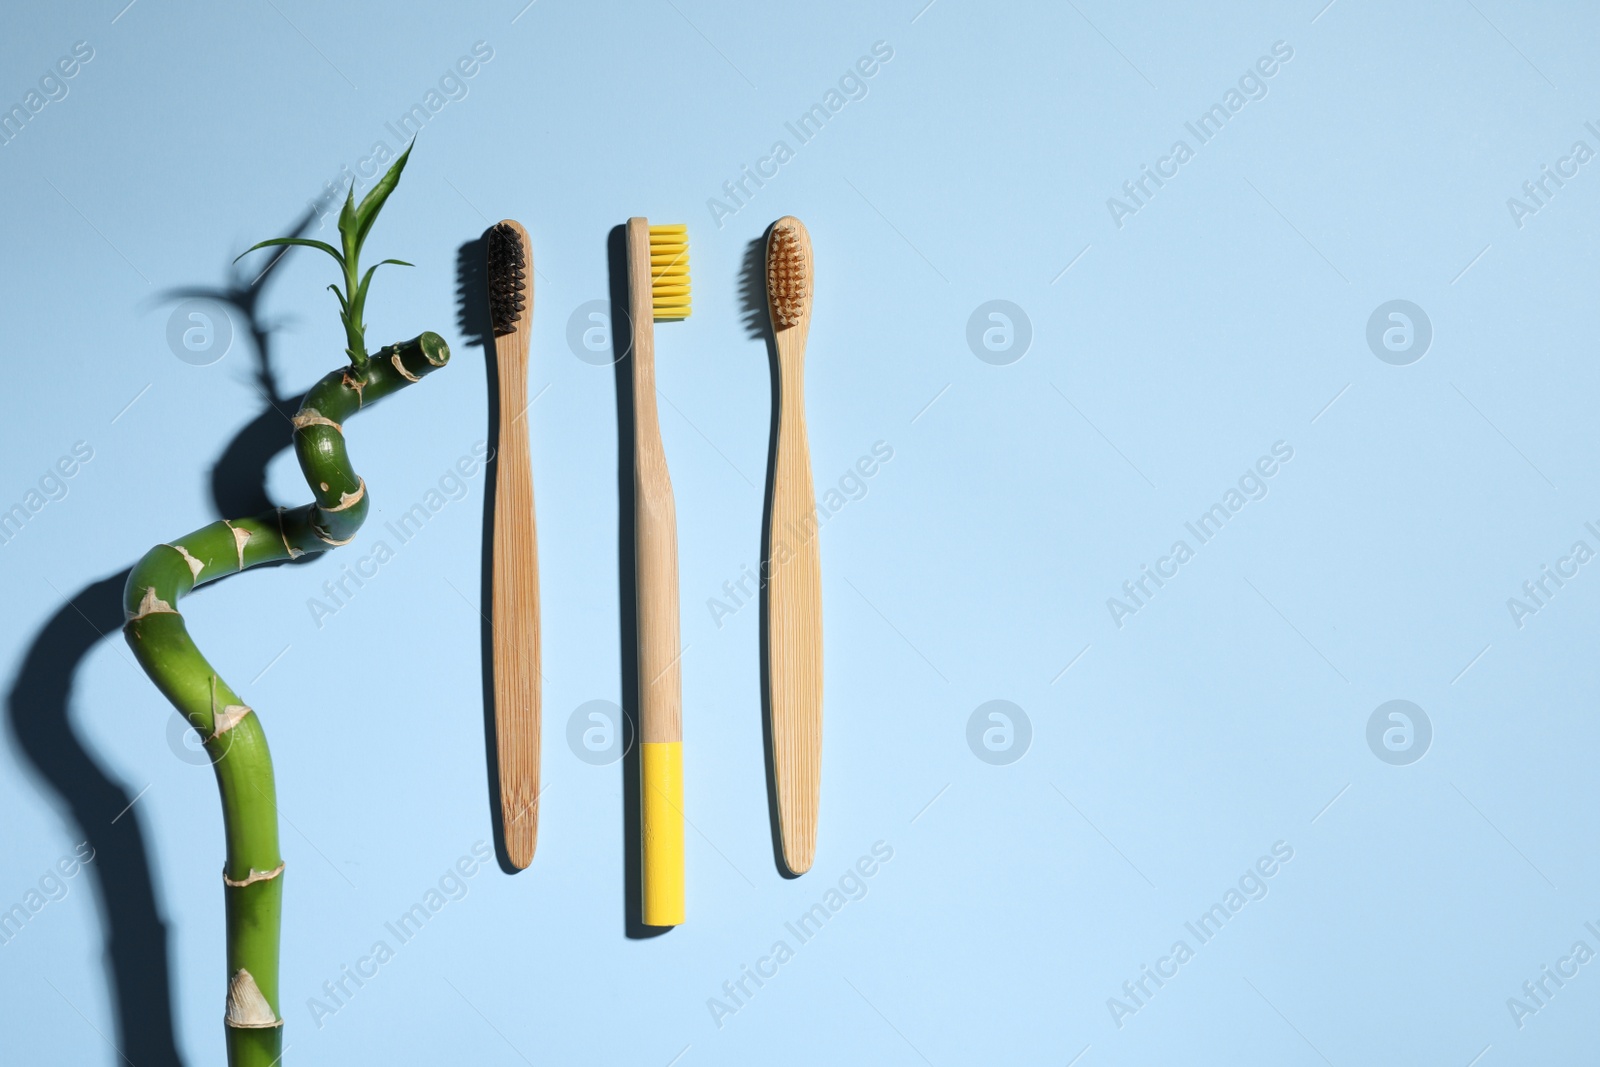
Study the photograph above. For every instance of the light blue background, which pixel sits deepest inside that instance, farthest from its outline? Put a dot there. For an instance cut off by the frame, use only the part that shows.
(1228, 714)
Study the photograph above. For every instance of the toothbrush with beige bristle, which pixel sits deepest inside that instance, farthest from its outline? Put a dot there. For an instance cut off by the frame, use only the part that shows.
(794, 572)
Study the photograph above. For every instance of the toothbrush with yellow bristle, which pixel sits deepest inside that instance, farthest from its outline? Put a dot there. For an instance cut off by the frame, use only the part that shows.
(793, 569)
(658, 288)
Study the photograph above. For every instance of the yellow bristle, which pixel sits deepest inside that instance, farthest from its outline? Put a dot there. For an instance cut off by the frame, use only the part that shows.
(669, 272)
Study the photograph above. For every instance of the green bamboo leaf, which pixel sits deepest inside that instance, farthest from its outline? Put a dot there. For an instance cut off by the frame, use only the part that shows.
(307, 242)
(347, 225)
(344, 305)
(367, 213)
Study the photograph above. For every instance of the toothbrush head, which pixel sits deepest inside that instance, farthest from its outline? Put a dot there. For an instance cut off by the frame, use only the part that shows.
(669, 272)
(788, 273)
(507, 277)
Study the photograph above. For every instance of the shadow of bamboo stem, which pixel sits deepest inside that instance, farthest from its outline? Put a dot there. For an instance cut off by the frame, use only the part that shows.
(39, 702)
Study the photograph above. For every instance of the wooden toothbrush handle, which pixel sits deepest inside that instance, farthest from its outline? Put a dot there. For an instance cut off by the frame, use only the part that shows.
(514, 613)
(656, 574)
(794, 630)
(660, 700)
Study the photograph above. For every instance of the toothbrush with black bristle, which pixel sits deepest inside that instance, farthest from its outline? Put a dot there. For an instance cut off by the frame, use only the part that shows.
(514, 603)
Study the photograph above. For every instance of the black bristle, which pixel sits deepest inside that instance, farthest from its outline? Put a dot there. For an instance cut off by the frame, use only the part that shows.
(507, 278)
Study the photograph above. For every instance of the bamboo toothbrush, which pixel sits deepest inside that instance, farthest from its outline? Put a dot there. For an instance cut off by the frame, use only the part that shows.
(658, 288)
(794, 573)
(514, 611)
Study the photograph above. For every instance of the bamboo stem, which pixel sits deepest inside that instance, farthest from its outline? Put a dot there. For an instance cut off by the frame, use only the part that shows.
(253, 870)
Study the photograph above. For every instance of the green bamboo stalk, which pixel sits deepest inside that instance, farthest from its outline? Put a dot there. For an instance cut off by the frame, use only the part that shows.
(253, 870)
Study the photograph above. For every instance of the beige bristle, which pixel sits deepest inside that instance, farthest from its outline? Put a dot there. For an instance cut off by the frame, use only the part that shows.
(786, 277)
(669, 272)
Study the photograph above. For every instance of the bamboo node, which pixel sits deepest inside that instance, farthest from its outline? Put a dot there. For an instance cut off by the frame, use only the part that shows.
(355, 383)
(195, 566)
(240, 539)
(323, 536)
(151, 604)
(251, 878)
(349, 499)
(247, 1007)
(227, 719)
(401, 367)
(313, 417)
(294, 553)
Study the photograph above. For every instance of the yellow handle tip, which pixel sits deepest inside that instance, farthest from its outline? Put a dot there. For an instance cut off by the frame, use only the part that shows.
(661, 832)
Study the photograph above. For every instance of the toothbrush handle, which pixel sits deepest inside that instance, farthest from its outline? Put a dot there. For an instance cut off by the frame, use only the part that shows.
(660, 701)
(655, 560)
(514, 609)
(794, 627)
